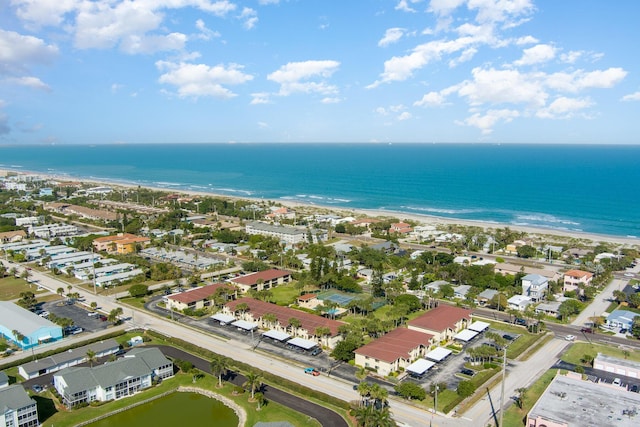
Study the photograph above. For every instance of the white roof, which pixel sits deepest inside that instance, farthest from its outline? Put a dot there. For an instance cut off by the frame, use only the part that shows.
(519, 299)
(478, 326)
(243, 324)
(299, 342)
(276, 335)
(420, 366)
(438, 354)
(224, 318)
(465, 335)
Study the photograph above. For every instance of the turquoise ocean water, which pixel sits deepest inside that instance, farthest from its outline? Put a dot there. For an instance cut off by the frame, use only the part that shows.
(586, 188)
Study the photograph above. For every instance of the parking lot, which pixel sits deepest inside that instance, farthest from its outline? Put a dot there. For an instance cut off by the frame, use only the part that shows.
(78, 313)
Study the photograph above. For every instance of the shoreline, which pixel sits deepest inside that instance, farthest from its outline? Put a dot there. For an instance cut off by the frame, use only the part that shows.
(422, 219)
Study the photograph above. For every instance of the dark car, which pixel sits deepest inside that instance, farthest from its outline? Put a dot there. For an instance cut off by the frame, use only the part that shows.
(520, 321)
(469, 372)
(37, 388)
(508, 337)
(586, 330)
(102, 317)
(634, 388)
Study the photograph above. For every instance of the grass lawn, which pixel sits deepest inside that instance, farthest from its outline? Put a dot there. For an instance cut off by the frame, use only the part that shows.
(59, 416)
(284, 294)
(514, 416)
(524, 341)
(579, 349)
(10, 288)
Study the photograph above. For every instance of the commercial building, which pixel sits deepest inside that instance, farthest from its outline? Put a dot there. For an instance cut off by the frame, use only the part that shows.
(621, 319)
(17, 409)
(570, 401)
(113, 380)
(624, 367)
(25, 328)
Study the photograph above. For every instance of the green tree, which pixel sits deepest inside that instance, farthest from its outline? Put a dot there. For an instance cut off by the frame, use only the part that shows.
(138, 290)
(465, 388)
(114, 314)
(219, 365)
(27, 300)
(253, 382)
(527, 251)
(91, 357)
(410, 390)
(521, 397)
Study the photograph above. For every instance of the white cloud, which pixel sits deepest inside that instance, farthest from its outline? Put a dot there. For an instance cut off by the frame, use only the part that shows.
(331, 100)
(18, 52)
(198, 80)
(503, 86)
(536, 55)
(205, 33)
(266, 2)
(632, 97)
(260, 98)
(44, 12)
(404, 116)
(392, 35)
(382, 111)
(403, 5)
(508, 12)
(486, 122)
(580, 79)
(571, 57)
(30, 82)
(147, 44)
(250, 18)
(444, 7)
(466, 56)
(526, 40)
(563, 108)
(263, 125)
(431, 99)
(294, 77)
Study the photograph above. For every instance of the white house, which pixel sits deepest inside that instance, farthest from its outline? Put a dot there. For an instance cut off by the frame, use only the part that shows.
(534, 286)
(519, 302)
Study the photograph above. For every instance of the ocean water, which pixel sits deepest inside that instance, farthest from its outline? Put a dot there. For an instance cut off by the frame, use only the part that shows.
(589, 188)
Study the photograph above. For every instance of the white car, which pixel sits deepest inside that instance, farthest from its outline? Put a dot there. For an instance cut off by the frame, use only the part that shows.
(570, 337)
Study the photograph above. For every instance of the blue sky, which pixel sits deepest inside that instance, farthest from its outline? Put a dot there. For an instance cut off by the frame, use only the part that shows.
(492, 71)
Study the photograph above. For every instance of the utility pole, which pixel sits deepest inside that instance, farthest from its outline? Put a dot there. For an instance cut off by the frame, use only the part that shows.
(504, 371)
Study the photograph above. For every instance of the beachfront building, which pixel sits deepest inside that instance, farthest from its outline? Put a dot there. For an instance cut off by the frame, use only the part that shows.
(575, 280)
(66, 359)
(18, 409)
(199, 298)
(114, 380)
(276, 318)
(286, 234)
(505, 268)
(442, 322)
(261, 280)
(25, 328)
(571, 401)
(535, 286)
(394, 350)
(400, 228)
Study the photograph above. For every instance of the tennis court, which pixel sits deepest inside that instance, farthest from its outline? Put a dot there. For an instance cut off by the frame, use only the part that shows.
(340, 299)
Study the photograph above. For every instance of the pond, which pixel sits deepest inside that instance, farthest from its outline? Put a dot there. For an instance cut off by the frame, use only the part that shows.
(174, 410)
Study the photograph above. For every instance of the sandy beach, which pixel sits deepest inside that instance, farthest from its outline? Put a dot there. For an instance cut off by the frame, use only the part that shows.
(544, 233)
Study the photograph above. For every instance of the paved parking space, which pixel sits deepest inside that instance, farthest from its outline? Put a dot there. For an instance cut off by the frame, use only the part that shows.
(77, 313)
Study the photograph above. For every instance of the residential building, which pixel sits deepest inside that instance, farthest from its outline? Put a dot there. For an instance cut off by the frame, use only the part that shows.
(66, 359)
(278, 213)
(309, 301)
(12, 236)
(485, 297)
(621, 319)
(286, 234)
(29, 220)
(261, 312)
(17, 408)
(505, 268)
(261, 280)
(4, 380)
(519, 302)
(443, 322)
(550, 308)
(31, 329)
(571, 401)
(365, 222)
(198, 298)
(535, 286)
(394, 350)
(113, 380)
(576, 279)
(49, 231)
(400, 228)
(461, 291)
(121, 243)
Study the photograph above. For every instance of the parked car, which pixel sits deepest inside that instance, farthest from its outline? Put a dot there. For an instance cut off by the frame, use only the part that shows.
(316, 351)
(469, 372)
(37, 388)
(623, 331)
(617, 381)
(634, 388)
(44, 314)
(520, 321)
(570, 338)
(508, 337)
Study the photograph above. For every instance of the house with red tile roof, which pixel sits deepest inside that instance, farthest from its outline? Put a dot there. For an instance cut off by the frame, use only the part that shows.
(395, 350)
(575, 279)
(198, 298)
(261, 280)
(310, 301)
(443, 322)
(122, 243)
(309, 322)
(400, 228)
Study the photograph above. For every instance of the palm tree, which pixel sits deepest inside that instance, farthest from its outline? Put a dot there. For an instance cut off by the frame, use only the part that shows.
(364, 388)
(294, 324)
(219, 366)
(19, 336)
(522, 391)
(60, 291)
(379, 395)
(361, 373)
(91, 356)
(253, 383)
(323, 331)
(270, 319)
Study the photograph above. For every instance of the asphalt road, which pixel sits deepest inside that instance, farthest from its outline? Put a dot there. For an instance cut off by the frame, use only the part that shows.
(325, 416)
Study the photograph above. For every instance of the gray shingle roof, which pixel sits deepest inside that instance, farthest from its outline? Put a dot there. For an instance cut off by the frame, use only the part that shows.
(13, 398)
